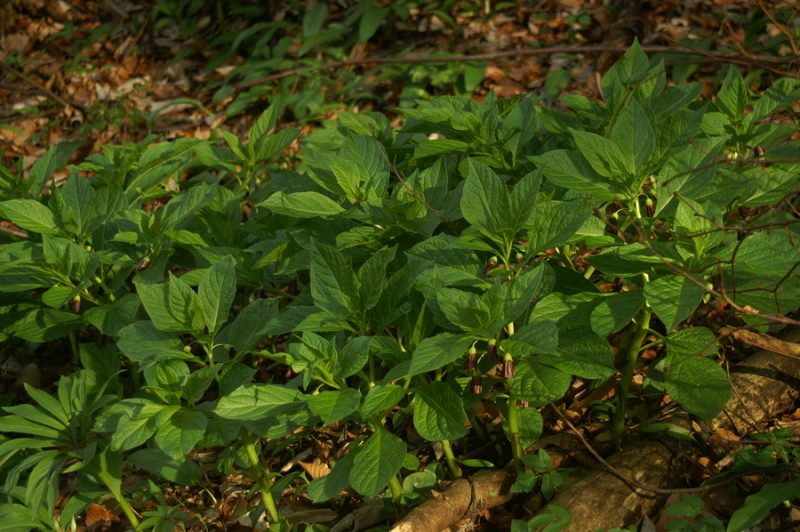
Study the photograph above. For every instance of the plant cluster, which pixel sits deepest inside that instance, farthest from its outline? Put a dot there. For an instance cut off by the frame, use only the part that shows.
(223, 295)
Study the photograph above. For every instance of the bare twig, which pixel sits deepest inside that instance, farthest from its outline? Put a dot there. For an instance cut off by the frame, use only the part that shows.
(707, 55)
(41, 88)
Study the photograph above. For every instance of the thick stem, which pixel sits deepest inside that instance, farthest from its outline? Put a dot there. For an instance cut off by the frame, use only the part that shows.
(451, 459)
(264, 482)
(513, 428)
(396, 488)
(128, 511)
(632, 356)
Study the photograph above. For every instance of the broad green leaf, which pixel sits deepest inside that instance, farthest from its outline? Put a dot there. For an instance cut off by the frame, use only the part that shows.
(553, 223)
(485, 201)
(333, 283)
(265, 123)
(632, 67)
(371, 20)
(380, 399)
(371, 277)
(465, 310)
(44, 324)
(673, 298)
(430, 148)
(184, 472)
(54, 159)
(437, 351)
(539, 383)
(522, 200)
(377, 462)
(314, 18)
(79, 198)
(582, 353)
(216, 293)
(137, 427)
(615, 311)
(327, 487)
(531, 425)
(732, 96)
(302, 205)
(178, 435)
(142, 343)
(245, 331)
(172, 306)
(633, 134)
(439, 413)
(697, 383)
(30, 215)
(110, 318)
(758, 505)
(604, 156)
(333, 406)
(570, 170)
(257, 401)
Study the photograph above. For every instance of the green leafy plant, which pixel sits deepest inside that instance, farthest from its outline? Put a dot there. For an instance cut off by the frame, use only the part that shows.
(391, 280)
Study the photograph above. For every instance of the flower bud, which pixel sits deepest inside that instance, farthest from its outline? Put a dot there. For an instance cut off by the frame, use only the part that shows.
(508, 367)
(476, 387)
(651, 208)
(471, 362)
(491, 350)
(76, 304)
(521, 403)
(520, 257)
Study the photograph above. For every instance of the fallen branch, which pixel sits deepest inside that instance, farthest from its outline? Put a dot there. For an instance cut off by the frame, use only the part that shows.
(762, 341)
(464, 498)
(706, 55)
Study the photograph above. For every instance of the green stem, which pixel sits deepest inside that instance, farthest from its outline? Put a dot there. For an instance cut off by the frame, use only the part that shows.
(451, 459)
(128, 511)
(76, 351)
(264, 482)
(396, 488)
(513, 428)
(632, 356)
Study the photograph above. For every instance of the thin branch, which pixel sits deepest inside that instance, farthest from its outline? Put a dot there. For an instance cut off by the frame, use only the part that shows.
(708, 55)
(41, 88)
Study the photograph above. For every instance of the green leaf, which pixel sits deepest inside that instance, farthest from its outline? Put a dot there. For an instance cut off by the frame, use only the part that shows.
(216, 293)
(377, 462)
(570, 170)
(439, 413)
(633, 134)
(314, 18)
(371, 277)
(698, 384)
(539, 383)
(371, 20)
(732, 96)
(673, 298)
(30, 215)
(333, 283)
(582, 353)
(463, 309)
(327, 487)
(605, 157)
(437, 351)
(264, 124)
(171, 306)
(333, 406)
(110, 318)
(184, 472)
(553, 223)
(245, 331)
(758, 505)
(632, 67)
(54, 159)
(141, 342)
(485, 202)
(380, 399)
(79, 198)
(302, 205)
(253, 402)
(178, 436)
(615, 311)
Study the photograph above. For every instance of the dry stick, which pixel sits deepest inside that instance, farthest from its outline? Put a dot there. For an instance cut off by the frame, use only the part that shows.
(730, 57)
(630, 481)
(779, 347)
(33, 83)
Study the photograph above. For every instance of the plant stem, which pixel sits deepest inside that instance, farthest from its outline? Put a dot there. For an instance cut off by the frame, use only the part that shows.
(76, 351)
(451, 459)
(632, 355)
(127, 510)
(513, 428)
(396, 488)
(264, 482)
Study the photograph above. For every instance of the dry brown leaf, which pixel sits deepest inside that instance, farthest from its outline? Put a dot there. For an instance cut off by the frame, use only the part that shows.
(98, 515)
(315, 469)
